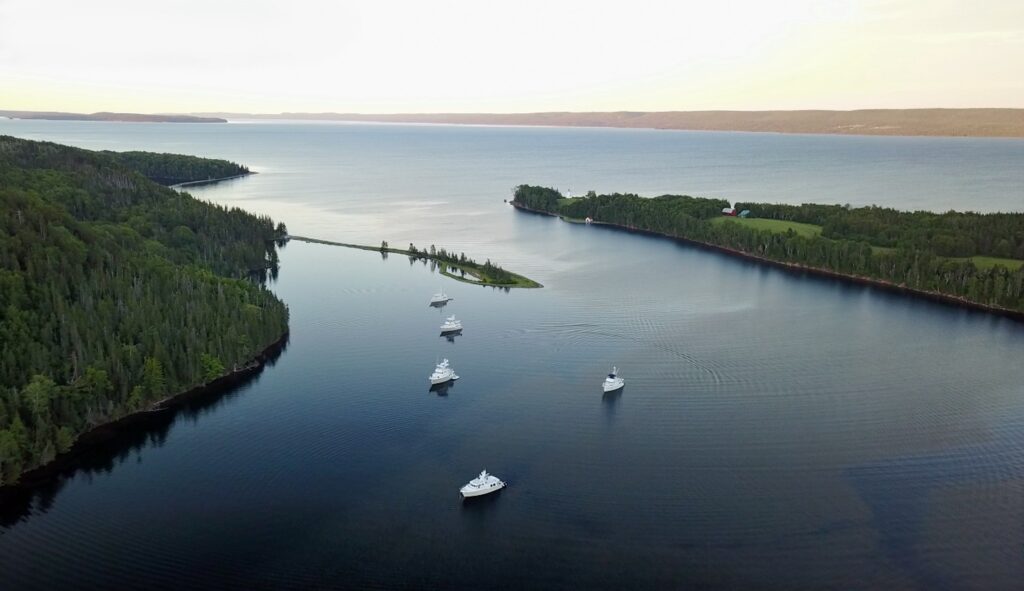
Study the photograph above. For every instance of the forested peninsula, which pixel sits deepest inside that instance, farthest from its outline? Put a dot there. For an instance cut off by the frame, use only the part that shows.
(116, 293)
(969, 258)
(178, 169)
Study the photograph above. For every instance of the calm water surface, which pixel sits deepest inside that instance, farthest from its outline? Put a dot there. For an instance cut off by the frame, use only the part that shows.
(776, 430)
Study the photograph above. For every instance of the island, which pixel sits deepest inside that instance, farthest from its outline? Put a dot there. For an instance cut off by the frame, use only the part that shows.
(966, 258)
(455, 266)
(118, 295)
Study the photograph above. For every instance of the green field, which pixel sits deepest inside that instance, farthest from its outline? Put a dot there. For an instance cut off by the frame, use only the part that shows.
(989, 262)
(778, 226)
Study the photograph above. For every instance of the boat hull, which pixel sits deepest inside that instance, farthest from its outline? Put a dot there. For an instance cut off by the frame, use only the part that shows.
(469, 494)
(613, 388)
(444, 380)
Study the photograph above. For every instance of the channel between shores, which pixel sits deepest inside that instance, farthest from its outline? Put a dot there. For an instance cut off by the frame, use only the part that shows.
(473, 271)
(157, 412)
(801, 269)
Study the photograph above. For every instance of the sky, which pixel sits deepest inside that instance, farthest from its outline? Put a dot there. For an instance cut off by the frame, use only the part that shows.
(478, 56)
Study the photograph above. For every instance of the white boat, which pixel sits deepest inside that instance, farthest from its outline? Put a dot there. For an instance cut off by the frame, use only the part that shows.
(440, 298)
(613, 382)
(442, 373)
(451, 325)
(481, 485)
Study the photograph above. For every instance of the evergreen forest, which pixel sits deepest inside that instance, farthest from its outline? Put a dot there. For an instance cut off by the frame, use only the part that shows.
(116, 292)
(172, 169)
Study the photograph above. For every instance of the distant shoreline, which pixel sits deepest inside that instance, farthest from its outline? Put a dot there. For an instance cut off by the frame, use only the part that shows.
(1005, 123)
(979, 122)
(111, 117)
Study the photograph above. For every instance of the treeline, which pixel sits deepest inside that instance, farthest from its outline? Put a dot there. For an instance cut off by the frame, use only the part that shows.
(172, 169)
(917, 244)
(488, 272)
(115, 292)
(949, 234)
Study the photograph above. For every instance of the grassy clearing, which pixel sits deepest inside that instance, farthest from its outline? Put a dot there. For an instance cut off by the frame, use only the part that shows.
(776, 226)
(983, 262)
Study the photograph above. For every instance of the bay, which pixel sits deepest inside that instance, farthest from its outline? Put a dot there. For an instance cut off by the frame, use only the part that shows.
(776, 430)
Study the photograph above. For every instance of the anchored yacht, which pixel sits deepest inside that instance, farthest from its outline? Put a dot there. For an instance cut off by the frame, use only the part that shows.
(613, 382)
(451, 325)
(481, 485)
(440, 298)
(442, 373)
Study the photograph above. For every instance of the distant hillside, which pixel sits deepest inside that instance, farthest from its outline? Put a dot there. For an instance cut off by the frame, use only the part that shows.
(931, 122)
(128, 117)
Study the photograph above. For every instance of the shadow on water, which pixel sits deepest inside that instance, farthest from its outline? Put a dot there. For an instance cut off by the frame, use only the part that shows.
(101, 450)
(442, 389)
(610, 400)
(450, 336)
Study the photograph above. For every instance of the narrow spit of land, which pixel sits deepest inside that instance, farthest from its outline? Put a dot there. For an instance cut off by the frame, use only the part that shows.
(457, 267)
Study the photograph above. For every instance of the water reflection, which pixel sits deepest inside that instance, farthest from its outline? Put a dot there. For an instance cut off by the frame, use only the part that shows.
(611, 399)
(107, 447)
(442, 389)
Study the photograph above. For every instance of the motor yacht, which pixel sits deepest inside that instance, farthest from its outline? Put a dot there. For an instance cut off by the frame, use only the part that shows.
(440, 298)
(451, 325)
(442, 373)
(613, 382)
(481, 485)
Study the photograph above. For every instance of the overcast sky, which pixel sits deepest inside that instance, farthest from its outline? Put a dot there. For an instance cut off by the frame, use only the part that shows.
(480, 56)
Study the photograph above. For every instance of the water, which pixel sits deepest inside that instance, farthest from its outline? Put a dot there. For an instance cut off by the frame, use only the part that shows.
(776, 430)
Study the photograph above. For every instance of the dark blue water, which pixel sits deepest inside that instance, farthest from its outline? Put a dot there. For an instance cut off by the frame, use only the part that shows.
(776, 430)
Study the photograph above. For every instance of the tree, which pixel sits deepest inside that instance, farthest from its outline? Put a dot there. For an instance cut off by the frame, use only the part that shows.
(10, 457)
(38, 394)
(212, 367)
(153, 382)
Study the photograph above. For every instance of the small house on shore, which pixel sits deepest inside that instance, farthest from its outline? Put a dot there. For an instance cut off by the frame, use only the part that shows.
(729, 211)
